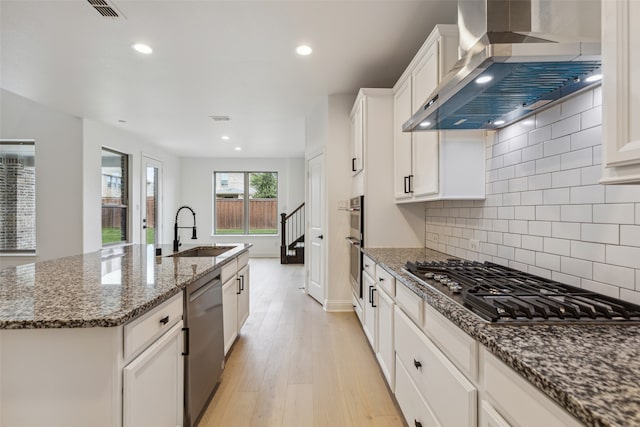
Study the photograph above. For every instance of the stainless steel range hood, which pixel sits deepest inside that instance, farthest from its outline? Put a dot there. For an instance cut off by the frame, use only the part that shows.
(517, 56)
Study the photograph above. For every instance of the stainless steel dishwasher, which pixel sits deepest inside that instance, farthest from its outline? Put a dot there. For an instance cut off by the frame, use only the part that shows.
(204, 346)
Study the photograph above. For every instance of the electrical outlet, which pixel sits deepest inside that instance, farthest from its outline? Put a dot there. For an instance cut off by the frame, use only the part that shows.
(474, 245)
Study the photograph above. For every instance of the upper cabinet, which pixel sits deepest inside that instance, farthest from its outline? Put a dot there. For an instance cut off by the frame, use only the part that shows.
(621, 92)
(357, 136)
(434, 165)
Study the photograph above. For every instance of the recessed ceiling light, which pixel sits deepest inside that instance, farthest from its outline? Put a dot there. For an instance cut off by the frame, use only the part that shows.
(142, 48)
(425, 124)
(304, 50)
(225, 137)
(499, 122)
(593, 78)
(484, 79)
(238, 148)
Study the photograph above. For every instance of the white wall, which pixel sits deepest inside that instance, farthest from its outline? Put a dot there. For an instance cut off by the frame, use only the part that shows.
(197, 192)
(545, 212)
(98, 135)
(58, 139)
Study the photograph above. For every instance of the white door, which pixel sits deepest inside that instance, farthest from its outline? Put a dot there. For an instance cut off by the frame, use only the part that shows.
(315, 285)
(151, 206)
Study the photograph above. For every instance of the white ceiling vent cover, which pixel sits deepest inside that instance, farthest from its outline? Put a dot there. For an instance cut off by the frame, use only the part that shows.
(106, 9)
(220, 118)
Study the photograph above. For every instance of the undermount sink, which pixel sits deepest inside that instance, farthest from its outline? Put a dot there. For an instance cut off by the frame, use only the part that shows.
(203, 251)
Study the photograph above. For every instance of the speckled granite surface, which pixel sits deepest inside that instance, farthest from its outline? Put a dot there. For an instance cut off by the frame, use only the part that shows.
(591, 371)
(104, 288)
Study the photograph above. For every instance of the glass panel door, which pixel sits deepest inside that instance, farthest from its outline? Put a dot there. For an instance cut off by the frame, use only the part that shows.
(151, 206)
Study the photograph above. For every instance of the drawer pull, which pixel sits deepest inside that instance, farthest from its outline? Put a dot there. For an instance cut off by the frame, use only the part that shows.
(164, 320)
(417, 364)
(373, 305)
(239, 286)
(417, 423)
(381, 279)
(366, 265)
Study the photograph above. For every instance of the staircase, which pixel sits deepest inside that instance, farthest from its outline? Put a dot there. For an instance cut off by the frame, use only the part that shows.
(292, 232)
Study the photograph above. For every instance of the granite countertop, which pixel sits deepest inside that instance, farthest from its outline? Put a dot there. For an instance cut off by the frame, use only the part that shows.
(99, 289)
(592, 371)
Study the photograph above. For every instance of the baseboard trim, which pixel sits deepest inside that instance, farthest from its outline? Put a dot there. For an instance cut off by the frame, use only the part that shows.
(338, 305)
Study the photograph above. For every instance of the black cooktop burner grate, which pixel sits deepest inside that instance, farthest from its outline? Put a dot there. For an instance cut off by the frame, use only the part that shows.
(502, 294)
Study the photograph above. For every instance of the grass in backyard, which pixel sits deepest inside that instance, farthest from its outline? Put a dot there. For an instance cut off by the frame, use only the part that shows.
(111, 235)
(254, 231)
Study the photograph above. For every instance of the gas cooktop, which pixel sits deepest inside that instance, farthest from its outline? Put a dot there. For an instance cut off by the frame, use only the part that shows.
(504, 295)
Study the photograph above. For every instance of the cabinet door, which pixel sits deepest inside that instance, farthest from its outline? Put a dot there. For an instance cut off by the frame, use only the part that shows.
(243, 297)
(153, 384)
(621, 86)
(369, 290)
(386, 354)
(230, 292)
(402, 111)
(425, 77)
(357, 137)
(415, 410)
(489, 417)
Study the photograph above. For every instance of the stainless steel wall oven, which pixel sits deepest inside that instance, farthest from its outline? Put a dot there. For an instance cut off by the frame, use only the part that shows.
(356, 240)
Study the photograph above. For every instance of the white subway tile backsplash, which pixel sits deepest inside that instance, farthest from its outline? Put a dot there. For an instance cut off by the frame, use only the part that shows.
(494, 237)
(567, 178)
(511, 199)
(614, 213)
(533, 152)
(591, 175)
(538, 182)
(540, 228)
(630, 235)
(518, 265)
(592, 117)
(525, 169)
(577, 159)
(548, 261)
(588, 251)
(495, 163)
(507, 173)
(514, 240)
(501, 148)
(506, 213)
(542, 272)
(531, 197)
(565, 126)
(555, 196)
(512, 158)
(565, 278)
(597, 154)
(576, 267)
(548, 164)
(540, 135)
(601, 233)
(548, 116)
(548, 213)
(601, 288)
(625, 256)
(557, 246)
(566, 230)
(576, 213)
(489, 212)
(622, 193)
(534, 243)
(506, 252)
(586, 138)
(587, 194)
(619, 276)
(525, 212)
(597, 96)
(631, 296)
(492, 175)
(518, 142)
(525, 256)
(500, 225)
(518, 184)
(489, 248)
(577, 104)
(500, 186)
(557, 146)
(520, 227)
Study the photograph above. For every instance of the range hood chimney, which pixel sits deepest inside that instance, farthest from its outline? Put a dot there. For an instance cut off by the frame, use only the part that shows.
(517, 56)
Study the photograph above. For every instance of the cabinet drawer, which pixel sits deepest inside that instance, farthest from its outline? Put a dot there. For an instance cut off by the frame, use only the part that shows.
(459, 347)
(519, 402)
(411, 303)
(386, 281)
(369, 266)
(416, 412)
(228, 270)
(243, 259)
(142, 331)
(451, 397)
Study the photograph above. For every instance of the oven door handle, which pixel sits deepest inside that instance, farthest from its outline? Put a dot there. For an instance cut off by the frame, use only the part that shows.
(353, 241)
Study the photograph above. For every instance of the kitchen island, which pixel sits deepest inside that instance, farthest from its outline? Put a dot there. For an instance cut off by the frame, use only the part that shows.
(590, 371)
(77, 331)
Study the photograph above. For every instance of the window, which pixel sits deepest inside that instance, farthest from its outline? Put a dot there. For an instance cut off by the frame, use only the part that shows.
(17, 197)
(246, 202)
(115, 197)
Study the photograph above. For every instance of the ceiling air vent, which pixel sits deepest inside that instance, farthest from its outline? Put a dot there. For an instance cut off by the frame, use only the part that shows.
(105, 9)
(220, 118)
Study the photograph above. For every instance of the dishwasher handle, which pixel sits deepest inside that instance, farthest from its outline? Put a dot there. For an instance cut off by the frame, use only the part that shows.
(186, 342)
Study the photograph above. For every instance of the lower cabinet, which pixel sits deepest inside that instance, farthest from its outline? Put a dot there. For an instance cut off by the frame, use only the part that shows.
(243, 296)
(386, 353)
(153, 384)
(414, 408)
(369, 309)
(235, 298)
(489, 417)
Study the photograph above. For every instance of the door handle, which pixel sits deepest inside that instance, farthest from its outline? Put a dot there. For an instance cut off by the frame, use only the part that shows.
(239, 288)
(372, 298)
(410, 183)
(406, 182)
(321, 237)
(186, 341)
(353, 164)
(242, 282)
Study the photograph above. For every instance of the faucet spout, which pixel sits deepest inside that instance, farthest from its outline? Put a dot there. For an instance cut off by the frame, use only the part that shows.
(176, 236)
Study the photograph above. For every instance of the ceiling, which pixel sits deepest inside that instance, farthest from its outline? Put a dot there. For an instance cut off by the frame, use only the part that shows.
(234, 58)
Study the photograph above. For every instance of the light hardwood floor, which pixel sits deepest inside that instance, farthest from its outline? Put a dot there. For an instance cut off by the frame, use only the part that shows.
(296, 365)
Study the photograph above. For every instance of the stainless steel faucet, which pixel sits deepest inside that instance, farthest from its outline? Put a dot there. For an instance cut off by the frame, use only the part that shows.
(176, 236)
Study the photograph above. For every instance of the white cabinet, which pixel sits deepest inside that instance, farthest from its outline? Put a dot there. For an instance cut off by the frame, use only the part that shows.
(621, 92)
(235, 298)
(489, 417)
(434, 165)
(370, 312)
(357, 136)
(153, 384)
(386, 353)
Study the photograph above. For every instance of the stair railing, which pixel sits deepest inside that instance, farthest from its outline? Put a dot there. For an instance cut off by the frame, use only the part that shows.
(292, 231)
